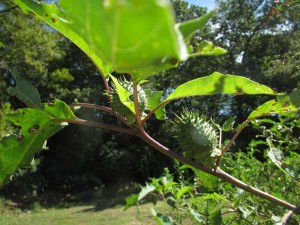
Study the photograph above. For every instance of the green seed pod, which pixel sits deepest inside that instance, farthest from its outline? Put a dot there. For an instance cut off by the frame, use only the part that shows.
(197, 137)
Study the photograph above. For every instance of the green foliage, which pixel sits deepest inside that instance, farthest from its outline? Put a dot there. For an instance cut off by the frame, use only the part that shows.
(58, 19)
(25, 91)
(197, 137)
(37, 125)
(127, 36)
(5, 127)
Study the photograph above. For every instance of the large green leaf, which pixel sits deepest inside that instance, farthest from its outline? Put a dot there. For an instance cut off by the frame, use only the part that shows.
(136, 37)
(25, 91)
(282, 105)
(60, 21)
(37, 125)
(218, 83)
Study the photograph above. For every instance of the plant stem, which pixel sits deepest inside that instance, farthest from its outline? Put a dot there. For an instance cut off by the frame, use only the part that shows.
(91, 106)
(154, 110)
(99, 125)
(102, 108)
(214, 171)
(136, 105)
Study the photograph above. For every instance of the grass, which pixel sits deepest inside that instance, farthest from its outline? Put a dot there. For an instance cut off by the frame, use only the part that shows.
(85, 214)
(105, 208)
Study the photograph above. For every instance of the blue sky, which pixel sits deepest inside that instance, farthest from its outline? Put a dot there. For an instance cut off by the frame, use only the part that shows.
(205, 3)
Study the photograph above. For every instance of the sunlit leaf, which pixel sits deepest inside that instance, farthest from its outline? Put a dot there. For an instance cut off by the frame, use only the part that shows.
(197, 216)
(183, 191)
(218, 83)
(123, 94)
(145, 191)
(282, 105)
(206, 179)
(188, 28)
(207, 48)
(25, 91)
(37, 125)
(136, 37)
(60, 21)
(130, 201)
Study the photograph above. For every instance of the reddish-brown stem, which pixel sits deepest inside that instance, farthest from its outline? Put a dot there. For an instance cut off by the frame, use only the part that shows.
(102, 108)
(154, 110)
(91, 106)
(99, 125)
(214, 171)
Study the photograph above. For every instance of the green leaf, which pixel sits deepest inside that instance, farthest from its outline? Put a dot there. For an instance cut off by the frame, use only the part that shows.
(183, 191)
(154, 99)
(218, 83)
(197, 216)
(215, 218)
(189, 28)
(282, 105)
(162, 219)
(60, 21)
(206, 48)
(130, 201)
(25, 91)
(206, 179)
(37, 126)
(146, 190)
(228, 125)
(123, 94)
(128, 34)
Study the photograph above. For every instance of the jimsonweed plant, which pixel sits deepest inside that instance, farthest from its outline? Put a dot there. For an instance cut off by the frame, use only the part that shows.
(138, 39)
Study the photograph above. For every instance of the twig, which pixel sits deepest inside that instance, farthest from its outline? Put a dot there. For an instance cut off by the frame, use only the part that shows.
(102, 108)
(289, 215)
(154, 110)
(99, 125)
(214, 171)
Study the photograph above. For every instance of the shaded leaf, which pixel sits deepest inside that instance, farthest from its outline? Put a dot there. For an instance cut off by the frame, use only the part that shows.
(25, 91)
(60, 21)
(37, 126)
(155, 98)
(128, 34)
(228, 125)
(215, 218)
(161, 219)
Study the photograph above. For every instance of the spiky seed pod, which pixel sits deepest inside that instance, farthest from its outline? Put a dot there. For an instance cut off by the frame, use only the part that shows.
(197, 137)
(119, 107)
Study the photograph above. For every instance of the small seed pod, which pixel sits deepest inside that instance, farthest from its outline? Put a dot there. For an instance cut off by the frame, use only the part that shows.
(197, 137)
